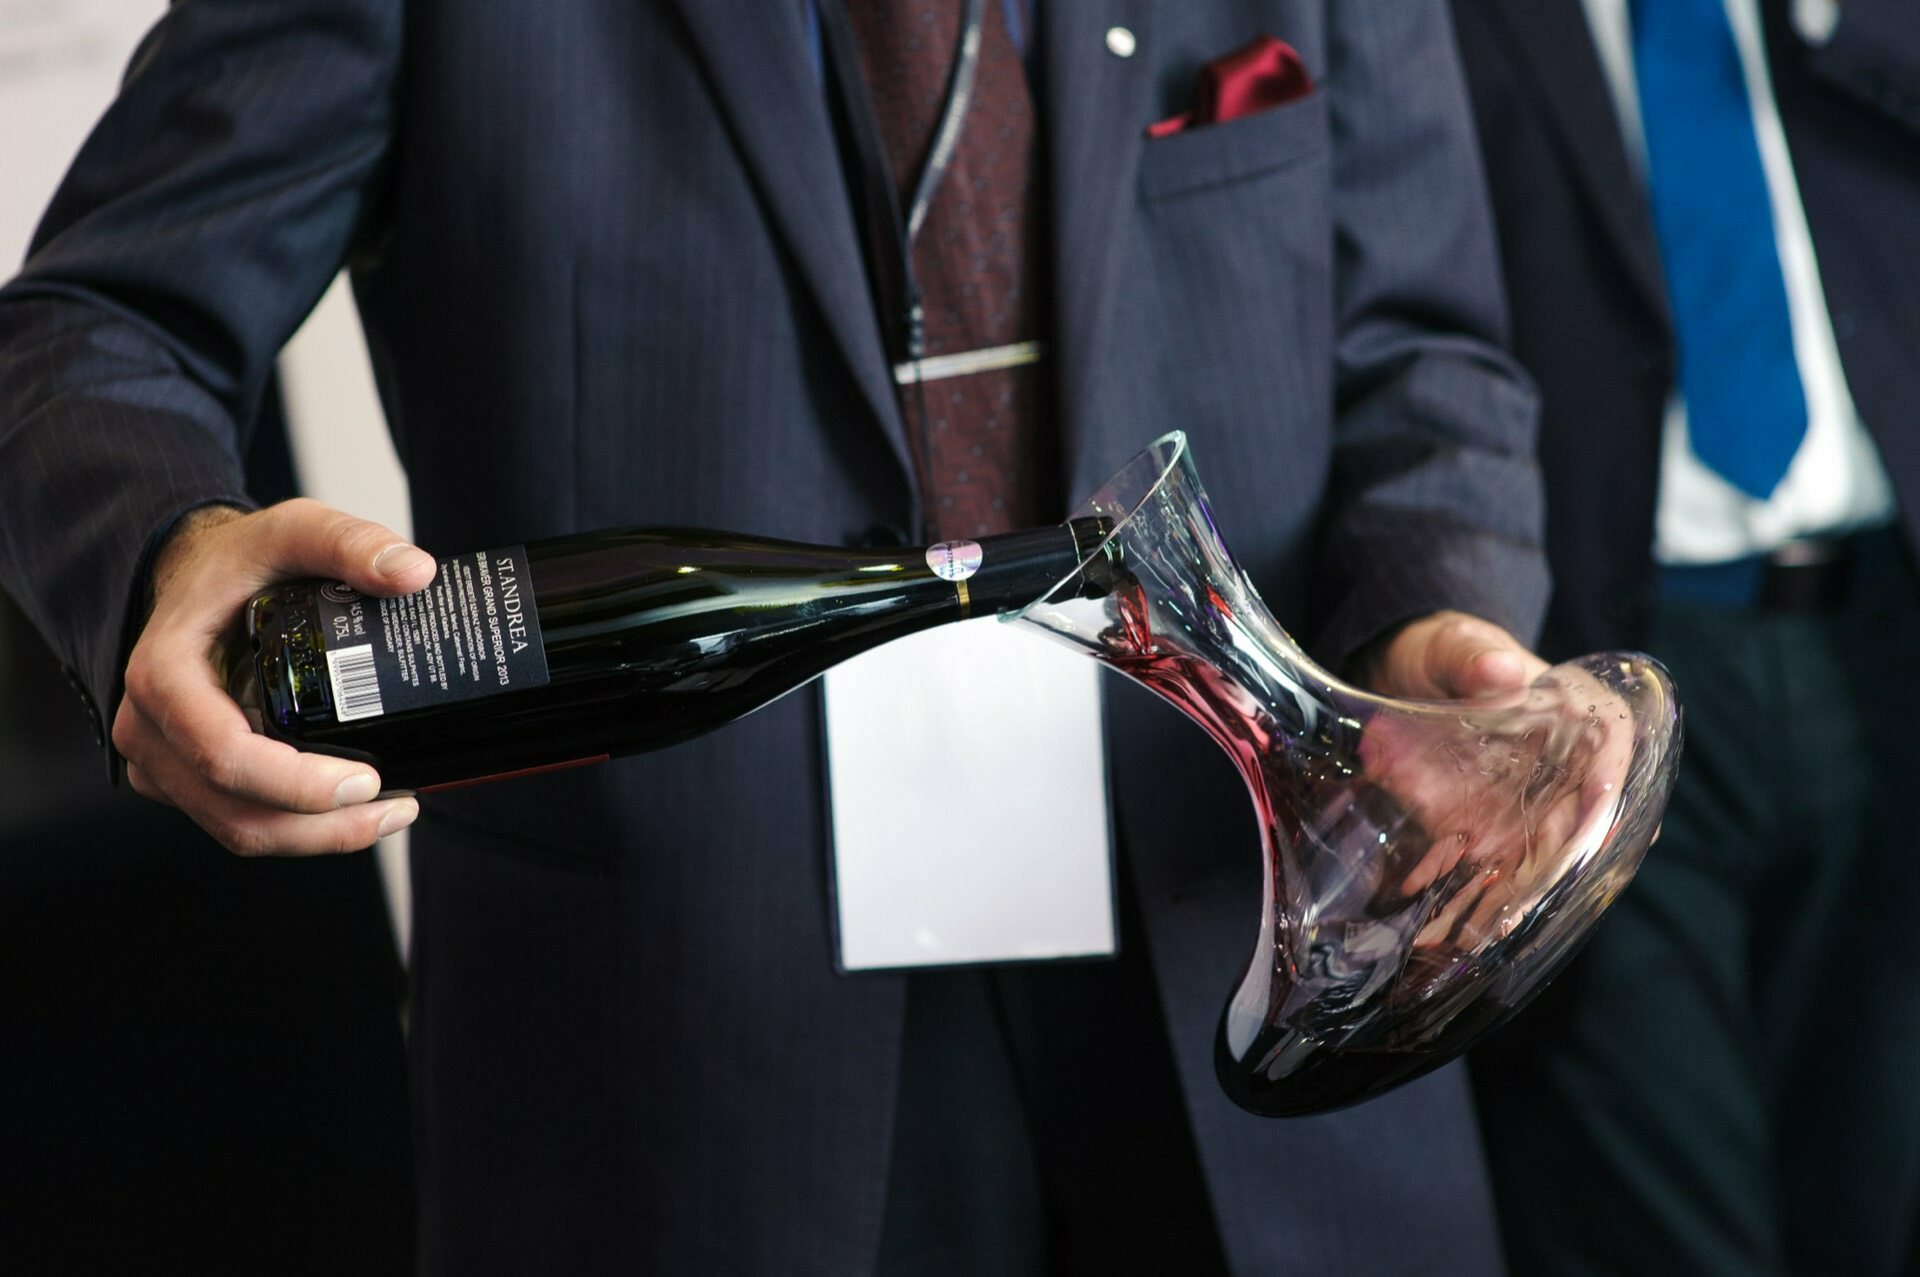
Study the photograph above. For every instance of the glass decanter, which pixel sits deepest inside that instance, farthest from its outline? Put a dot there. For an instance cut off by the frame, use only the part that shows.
(1429, 865)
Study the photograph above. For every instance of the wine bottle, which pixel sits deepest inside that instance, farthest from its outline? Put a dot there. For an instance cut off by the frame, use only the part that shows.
(581, 648)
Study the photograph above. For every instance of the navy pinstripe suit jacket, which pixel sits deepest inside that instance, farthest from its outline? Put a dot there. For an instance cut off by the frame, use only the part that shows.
(609, 274)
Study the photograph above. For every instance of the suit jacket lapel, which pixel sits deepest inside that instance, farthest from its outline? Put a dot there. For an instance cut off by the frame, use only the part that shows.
(1094, 107)
(756, 56)
(1552, 39)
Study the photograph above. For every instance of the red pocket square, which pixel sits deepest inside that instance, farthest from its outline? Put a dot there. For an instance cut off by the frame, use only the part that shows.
(1261, 74)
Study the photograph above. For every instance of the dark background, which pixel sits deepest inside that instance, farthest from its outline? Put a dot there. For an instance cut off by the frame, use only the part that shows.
(201, 1057)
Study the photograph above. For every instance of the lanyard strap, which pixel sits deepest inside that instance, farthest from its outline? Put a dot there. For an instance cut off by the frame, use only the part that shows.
(891, 231)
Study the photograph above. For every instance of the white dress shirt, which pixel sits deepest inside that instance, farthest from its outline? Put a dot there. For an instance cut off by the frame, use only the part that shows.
(1836, 481)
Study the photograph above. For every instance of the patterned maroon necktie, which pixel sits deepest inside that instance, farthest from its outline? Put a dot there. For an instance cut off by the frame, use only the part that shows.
(985, 463)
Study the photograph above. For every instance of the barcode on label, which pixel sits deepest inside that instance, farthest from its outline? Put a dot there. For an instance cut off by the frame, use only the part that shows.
(356, 684)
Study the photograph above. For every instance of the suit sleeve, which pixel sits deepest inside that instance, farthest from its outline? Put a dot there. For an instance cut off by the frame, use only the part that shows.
(1436, 498)
(1874, 55)
(202, 220)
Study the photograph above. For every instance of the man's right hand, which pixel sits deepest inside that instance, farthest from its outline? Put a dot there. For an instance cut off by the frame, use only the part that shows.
(185, 740)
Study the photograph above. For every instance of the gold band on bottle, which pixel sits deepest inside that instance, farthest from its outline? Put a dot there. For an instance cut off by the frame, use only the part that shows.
(966, 604)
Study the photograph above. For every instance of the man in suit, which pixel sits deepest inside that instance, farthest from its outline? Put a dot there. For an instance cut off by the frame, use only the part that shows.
(611, 273)
(1708, 221)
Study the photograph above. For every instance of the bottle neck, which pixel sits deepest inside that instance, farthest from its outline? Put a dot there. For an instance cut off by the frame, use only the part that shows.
(1005, 573)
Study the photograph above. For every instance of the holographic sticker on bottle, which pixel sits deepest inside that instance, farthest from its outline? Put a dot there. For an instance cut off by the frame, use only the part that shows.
(954, 560)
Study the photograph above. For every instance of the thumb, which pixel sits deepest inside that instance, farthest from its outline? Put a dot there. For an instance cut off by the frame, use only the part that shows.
(1470, 658)
(305, 538)
(1454, 656)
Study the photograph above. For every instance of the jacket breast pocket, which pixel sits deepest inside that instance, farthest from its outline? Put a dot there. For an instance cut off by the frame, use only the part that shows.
(1230, 287)
(1234, 151)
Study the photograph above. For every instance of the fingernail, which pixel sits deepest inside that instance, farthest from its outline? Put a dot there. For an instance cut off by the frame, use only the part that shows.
(399, 816)
(400, 558)
(355, 789)
(1499, 664)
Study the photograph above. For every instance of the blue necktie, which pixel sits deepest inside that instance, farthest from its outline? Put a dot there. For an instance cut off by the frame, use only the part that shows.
(1746, 410)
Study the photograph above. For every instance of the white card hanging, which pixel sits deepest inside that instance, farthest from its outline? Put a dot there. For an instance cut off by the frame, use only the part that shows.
(967, 782)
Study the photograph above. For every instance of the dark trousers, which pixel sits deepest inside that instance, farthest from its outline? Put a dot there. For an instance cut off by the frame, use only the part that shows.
(1040, 1127)
(1727, 1081)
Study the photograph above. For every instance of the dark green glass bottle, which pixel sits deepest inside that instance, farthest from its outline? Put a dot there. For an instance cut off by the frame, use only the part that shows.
(585, 647)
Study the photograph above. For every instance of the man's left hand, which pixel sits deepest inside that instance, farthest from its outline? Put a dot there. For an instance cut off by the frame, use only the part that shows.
(1451, 656)
(1501, 795)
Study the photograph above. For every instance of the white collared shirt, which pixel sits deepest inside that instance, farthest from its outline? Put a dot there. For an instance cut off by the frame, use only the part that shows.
(1835, 481)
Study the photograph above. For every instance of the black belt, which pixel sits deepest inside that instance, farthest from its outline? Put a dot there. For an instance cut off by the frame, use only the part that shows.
(1810, 574)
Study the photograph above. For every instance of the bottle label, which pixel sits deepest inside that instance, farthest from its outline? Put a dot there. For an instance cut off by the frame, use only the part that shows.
(954, 560)
(473, 632)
